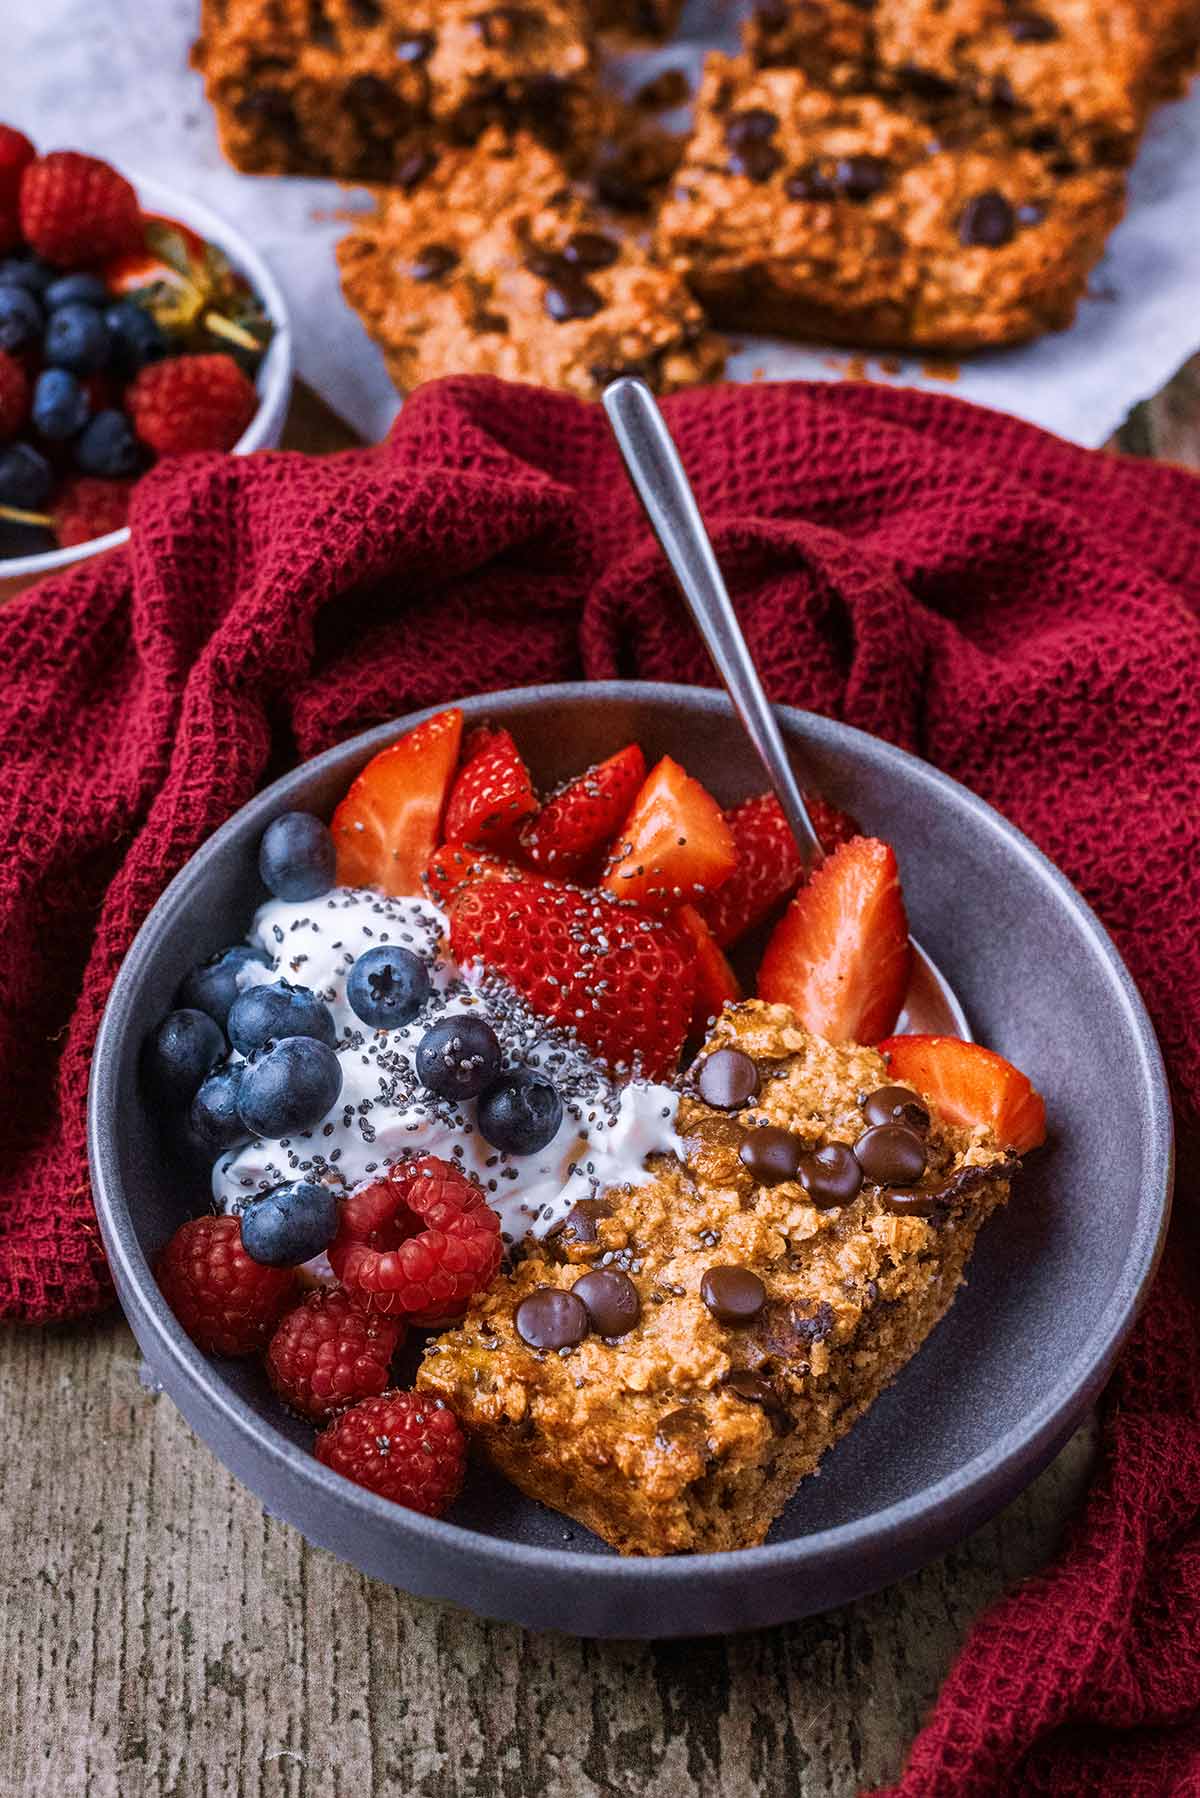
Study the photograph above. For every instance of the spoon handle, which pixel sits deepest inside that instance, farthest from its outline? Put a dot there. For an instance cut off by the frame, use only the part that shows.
(663, 488)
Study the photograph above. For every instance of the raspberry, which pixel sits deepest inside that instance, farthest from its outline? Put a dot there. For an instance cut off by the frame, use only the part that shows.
(14, 395)
(417, 1244)
(16, 152)
(191, 403)
(327, 1353)
(76, 209)
(89, 507)
(402, 1445)
(227, 1303)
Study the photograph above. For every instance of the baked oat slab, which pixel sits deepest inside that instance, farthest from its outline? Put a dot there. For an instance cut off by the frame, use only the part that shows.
(671, 1364)
(489, 261)
(852, 219)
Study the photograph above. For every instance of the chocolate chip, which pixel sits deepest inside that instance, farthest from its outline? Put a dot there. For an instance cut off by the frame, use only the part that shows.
(412, 169)
(891, 1154)
(757, 1391)
(986, 221)
(549, 1318)
(366, 12)
(912, 1203)
(548, 265)
(433, 261)
(501, 25)
(860, 177)
(727, 1078)
(416, 47)
(752, 126)
(1002, 93)
(567, 300)
(734, 1295)
(810, 183)
(757, 161)
(687, 1421)
(490, 324)
(924, 83)
(1031, 28)
(611, 1300)
(591, 249)
(616, 185)
(786, 1331)
(895, 1105)
(771, 1154)
(831, 1175)
(579, 1225)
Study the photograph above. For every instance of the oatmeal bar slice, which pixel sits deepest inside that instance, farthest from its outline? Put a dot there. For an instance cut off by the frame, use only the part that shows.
(490, 262)
(851, 219)
(345, 87)
(671, 1365)
(1078, 74)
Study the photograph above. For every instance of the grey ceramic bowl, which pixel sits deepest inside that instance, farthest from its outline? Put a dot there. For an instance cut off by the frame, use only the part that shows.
(1054, 1285)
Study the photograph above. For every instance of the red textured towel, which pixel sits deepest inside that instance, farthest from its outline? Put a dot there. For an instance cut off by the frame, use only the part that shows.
(1024, 614)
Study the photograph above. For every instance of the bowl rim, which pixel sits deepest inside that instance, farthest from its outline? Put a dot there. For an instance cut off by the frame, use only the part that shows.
(156, 196)
(965, 1491)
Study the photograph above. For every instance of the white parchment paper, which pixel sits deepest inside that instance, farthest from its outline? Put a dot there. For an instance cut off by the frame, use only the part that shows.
(111, 76)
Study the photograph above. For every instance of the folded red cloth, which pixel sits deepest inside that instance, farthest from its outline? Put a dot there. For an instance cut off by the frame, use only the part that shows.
(1023, 613)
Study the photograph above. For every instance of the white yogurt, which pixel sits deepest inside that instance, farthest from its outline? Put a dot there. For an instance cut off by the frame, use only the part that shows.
(383, 1112)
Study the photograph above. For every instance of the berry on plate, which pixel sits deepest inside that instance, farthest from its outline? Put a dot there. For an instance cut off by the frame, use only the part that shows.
(77, 210)
(417, 1244)
(24, 477)
(60, 406)
(520, 1112)
(290, 1224)
(493, 792)
(716, 983)
(14, 395)
(970, 1085)
(107, 446)
(387, 826)
(289, 1086)
(185, 1047)
(213, 1115)
(405, 1446)
(579, 821)
(265, 1014)
(88, 506)
(77, 338)
(458, 1057)
(191, 403)
(674, 847)
(620, 978)
(296, 858)
(327, 1354)
(20, 318)
(840, 954)
(387, 987)
(212, 986)
(227, 1303)
(769, 867)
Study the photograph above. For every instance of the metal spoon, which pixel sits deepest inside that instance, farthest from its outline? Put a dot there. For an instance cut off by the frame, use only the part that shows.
(662, 486)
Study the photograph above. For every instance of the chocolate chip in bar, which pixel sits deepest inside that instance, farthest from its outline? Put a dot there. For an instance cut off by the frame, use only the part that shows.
(591, 249)
(891, 1154)
(757, 1391)
(433, 261)
(567, 300)
(611, 1300)
(860, 177)
(771, 1154)
(734, 1295)
(831, 1175)
(581, 1220)
(1031, 28)
(987, 221)
(895, 1105)
(549, 1318)
(682, 1426)
(727, 1079)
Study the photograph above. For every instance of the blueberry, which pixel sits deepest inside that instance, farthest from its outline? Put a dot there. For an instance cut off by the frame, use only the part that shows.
(289, 1087)
(60, 406)
(214, 1116)
(458, 1057)
(77, 338)
(387, 987)
(27, 272)
(290, 1224)
(296, 857)
(186, 1046)
(20, 318)
(521, 1113)
(108, 446)
(268, 1014)
(137, 336)
(71, 290)
(213, 985)
(24, 477)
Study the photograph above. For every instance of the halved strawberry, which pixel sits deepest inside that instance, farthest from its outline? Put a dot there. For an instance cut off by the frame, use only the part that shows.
(840, 954)
(970, 1085)
(492, 794)
(768, 865)
(386, 828)
(621, 979)
(454, 866)
(716, 982)
(674, 847)
(583, 817)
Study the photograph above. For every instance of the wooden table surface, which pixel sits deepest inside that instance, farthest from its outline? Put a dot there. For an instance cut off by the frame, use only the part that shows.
(161, 1637)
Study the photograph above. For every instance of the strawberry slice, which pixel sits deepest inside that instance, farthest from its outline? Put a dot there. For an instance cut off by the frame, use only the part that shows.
(622, 980)
(675, 845)
(454, 866)
(970, 1085)
(492, 794)
(840, 954)
(716, 982)
(768, 865)
(583, 817)
(386, 828)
